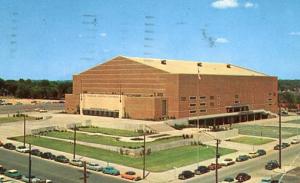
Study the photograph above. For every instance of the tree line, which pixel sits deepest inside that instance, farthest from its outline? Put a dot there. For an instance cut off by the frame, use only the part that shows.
(36, 89)
(289, 92)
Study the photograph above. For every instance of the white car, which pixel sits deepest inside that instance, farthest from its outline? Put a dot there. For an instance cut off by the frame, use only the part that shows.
(227, 162)
(22, 149)
(295, 141)
(33, 179)
(253, 154)
(76, 162)
(94, 166)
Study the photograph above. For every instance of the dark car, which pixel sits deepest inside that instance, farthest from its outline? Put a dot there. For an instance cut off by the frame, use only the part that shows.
(61, 159)
(186, 175)
(242, 177)
(284, 145)
(261, 152)
(47, 155)
(9, 146)
(272, 165)
(2, 169)
(228, 179)
(241, 158)
(36, 152)
(213, 166)
(201, 170)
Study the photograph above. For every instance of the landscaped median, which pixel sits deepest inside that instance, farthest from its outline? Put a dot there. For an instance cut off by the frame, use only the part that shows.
(155, 162)
(111, 131)
(15, 119)
(266, 131)
(105, 140)
(251, 140)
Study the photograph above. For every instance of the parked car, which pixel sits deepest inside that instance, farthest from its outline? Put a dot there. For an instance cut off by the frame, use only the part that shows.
(36, 152)
(201, 170)
(22, 149)
(2, 169)
(284, 145)
(295, 141)
(227, 162)
(213, 166)
(76, 162)
(242, 177)
(272, 165)
(48, 155)
(241, 158)
(131, 175)
(186, 175)
(9, 146)
(94, 166)
(61, 159)
(33, 179)
(15, 174)
(253, 154)
(228, 179)
(110, 170)
(261, 152)
(45, 181)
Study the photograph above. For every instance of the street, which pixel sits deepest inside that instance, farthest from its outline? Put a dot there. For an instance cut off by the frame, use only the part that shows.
(253, 167)
(41, 168)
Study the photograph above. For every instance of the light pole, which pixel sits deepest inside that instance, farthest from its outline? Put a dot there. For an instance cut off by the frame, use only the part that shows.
(144, 157)
(280, 145)
(74, 143)
(29, 162)
(24, 130)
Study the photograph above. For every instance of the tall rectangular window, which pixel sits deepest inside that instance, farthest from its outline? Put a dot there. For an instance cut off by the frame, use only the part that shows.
(164, 107)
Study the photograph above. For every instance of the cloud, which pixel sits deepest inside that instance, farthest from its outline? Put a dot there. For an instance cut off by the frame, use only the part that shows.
(249, 5)
(294, 33)
(103, 34)
(221, 40)
(224, 4)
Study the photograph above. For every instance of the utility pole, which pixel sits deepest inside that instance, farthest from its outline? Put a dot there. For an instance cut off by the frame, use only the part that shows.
(74, 144)
(217, 157)
(24, 128)
(29, 168)
(144, 157)
(84, 172)
(280, 145)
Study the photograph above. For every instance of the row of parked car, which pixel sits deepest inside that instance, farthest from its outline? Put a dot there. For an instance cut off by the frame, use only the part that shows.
(15, 174)
(241, 177)
(110, 170)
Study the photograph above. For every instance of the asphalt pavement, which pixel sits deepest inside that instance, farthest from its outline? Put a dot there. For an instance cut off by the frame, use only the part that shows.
(54, 171)
(252, 167)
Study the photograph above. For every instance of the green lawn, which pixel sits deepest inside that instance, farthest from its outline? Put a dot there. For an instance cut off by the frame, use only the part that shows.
(251, 140)
(99, 139)
(294, 121)
(111, 131)
(265, 131)
(14, 119)
(156, 161)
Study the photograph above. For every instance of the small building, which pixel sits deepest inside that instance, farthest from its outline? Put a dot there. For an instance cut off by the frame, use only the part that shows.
(158, 89)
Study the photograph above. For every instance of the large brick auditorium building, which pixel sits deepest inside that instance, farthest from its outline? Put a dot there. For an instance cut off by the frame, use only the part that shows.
(156, 89)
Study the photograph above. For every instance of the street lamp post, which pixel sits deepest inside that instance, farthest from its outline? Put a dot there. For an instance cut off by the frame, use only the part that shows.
(144, 157)
(29, 163)
(217, 158)
(24, 130)
(74, 144)
(280, 145)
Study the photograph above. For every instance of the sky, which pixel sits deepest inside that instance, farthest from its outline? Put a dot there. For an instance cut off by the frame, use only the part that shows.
(54, 39)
